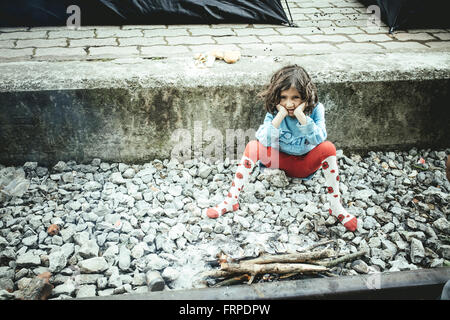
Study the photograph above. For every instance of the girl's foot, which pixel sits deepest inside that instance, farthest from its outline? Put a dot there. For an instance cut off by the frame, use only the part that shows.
(221, 209)
(348, 220)
(230, 203)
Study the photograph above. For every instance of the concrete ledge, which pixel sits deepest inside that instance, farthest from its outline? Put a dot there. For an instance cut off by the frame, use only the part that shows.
(251, 70)
(127, 110)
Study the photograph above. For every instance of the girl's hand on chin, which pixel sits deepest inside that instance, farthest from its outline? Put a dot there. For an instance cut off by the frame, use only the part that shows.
(300, 108)
(282, 110)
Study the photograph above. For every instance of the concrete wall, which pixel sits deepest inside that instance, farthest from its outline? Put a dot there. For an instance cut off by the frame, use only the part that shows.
(135, 122)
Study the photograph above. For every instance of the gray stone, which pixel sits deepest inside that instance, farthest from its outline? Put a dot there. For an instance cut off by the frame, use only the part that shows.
(397, 173)
(23, 283)
(378, 262)
(408, 235)
(57, 261)
(30, 166)
(400, 264)
(388, 227)
(204, 171)
(13, 182)
(115, 280)
(83, 279)
(129, 173)
(175, 190)
(86, 291)
(30, 241)
(5, 295)
(68, 249)
(276, 178)
(411, 223)
(370, 223)
(138, 250)
(364, 194)
(154, 262)
(417, 252)
(92, 186)
(28, 259)
(106, 292)
(126, 227)
(66, 288)
(111, 252)
(384, 216)
(437, 263)
(6, 284)
(444, 250)
(102, 282)
(67, 177)
(123, 289)
(117, 178)
(93, 265)
(374, 242)
(67, 232)
(176, 231)
(360, 266)
(207, 226)
(170, 274)
(89, 249)
(389, 246)
(442, 225)
(124, 258)
(81, 238)
(6, 272)
(311, 208)
(139, 279)
(75, 205)
(60, 166)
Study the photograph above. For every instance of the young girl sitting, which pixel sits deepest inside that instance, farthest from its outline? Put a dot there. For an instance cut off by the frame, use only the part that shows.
(292, 138)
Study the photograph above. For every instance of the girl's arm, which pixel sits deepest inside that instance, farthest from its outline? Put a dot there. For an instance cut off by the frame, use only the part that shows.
(282, 113)
(298, 113)
(313, 128)
(267, 133)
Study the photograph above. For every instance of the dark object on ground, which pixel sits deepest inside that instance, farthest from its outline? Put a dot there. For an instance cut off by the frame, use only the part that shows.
(412, 14)
(145, 12)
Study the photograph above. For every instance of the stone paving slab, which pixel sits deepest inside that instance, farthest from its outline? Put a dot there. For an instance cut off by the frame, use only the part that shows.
(324, 27)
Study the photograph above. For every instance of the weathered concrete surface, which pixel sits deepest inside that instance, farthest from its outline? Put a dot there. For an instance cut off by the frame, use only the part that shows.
(127, 110)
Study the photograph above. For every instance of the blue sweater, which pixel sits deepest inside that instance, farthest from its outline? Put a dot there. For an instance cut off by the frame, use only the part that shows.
(292, 137)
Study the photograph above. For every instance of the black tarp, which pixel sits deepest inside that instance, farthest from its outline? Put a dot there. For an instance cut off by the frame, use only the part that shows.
(34, 13)
(413, 14)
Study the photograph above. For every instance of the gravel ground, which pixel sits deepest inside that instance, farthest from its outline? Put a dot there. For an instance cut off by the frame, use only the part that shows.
(123, 227)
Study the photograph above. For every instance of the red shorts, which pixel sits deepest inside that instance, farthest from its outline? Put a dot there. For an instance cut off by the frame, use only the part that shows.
(294, 166)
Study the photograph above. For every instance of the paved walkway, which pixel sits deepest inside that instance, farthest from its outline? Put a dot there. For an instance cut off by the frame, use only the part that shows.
(337, 26)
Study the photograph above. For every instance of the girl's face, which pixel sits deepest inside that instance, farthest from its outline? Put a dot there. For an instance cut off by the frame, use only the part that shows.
(290, 99)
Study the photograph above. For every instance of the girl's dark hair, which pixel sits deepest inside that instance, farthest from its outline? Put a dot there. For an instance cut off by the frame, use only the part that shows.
(289, 76)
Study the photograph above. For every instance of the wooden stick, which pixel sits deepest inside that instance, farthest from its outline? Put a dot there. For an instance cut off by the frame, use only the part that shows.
(216, 274)
(232, 281)
(313, 246)
(337, 261)
(288, 275)
(272, 268)
(290, 257)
